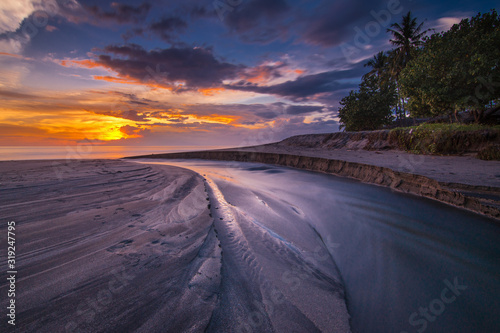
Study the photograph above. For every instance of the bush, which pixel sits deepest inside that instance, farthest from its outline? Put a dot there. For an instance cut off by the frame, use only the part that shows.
(369, 108)
(490, 153)
(443, 139)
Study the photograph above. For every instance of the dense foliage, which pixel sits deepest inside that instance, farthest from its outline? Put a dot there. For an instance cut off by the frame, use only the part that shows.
(448, 72)
(369, 108)
(378, 97)
(456, 70)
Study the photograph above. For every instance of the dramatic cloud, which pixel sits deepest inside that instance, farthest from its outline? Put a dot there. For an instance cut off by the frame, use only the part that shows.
(133, 131)
(255, 112)
(186, 73)
(333, 22)
(275, 110)
(177, 68)
(304, 86)
(24, 20)
(154, 113)
(264, 72)
(167, 26)
(303, 109)
(12, 13)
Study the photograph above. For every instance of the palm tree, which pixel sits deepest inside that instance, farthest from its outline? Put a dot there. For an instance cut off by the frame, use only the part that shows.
(407, 36)
(378, 64)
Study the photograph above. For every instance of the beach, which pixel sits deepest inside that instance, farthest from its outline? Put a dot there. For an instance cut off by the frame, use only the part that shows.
(462, 181)
(249, 166)
(106, 245)
(95, 249)
(207, 246)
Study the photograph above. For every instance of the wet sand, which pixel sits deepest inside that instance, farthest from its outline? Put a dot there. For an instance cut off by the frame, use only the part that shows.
(398, 255)
(144, 246)
(115, 246)
(109, 246)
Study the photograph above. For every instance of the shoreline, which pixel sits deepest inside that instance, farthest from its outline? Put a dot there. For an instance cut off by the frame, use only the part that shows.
(129, 246)
(464, 188)
(158, 236)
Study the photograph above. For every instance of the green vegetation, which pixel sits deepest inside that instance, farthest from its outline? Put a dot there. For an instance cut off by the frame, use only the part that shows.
(490, 153)
(372, 107)
(444, 139)
(441, 75)
(369, 108)
(456, 70)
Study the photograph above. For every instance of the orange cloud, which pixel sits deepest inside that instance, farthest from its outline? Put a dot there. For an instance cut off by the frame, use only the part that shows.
(215, 118)
(56, 119)
(115, 79)
(108, 117)
(85, 63)
(260, 78)
(131, 131)
(149, 80)
(211, 91)
(264, 72)
(259, 74)
(130, 80)
(11, 55)
(50, 28)
(14, 55)
(22, 135)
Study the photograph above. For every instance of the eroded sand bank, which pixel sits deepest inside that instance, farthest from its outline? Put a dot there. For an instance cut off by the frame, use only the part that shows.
(463, 182)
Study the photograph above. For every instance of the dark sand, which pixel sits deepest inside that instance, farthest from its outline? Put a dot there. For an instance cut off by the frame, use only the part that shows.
(109, 246)
(119, 246)
(115, 246)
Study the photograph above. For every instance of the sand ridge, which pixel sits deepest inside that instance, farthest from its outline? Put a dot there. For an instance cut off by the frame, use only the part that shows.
(110, 245)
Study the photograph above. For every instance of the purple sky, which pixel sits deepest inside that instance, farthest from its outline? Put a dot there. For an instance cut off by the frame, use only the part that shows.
(224, 72)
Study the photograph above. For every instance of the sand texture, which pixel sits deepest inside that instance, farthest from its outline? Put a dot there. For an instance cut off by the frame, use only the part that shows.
(117, 246)
(110, 246)
(461, 181)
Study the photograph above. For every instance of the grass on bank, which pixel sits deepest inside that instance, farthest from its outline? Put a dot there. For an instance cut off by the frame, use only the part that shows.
(445, 139)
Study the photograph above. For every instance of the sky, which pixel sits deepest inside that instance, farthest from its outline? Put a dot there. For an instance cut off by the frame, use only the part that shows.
(190, 73)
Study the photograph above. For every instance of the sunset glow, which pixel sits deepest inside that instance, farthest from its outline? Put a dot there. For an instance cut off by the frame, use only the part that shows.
(131, 73)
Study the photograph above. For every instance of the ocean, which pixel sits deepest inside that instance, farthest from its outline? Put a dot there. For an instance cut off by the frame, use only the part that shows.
(88, 151)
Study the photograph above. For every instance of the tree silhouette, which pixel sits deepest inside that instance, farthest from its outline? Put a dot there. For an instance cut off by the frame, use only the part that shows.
(379, 65)
(407, 36)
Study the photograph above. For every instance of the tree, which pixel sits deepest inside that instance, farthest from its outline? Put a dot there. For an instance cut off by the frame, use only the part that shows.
(369, 108)
(380, 67)
(407, 36)
(456, 70)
